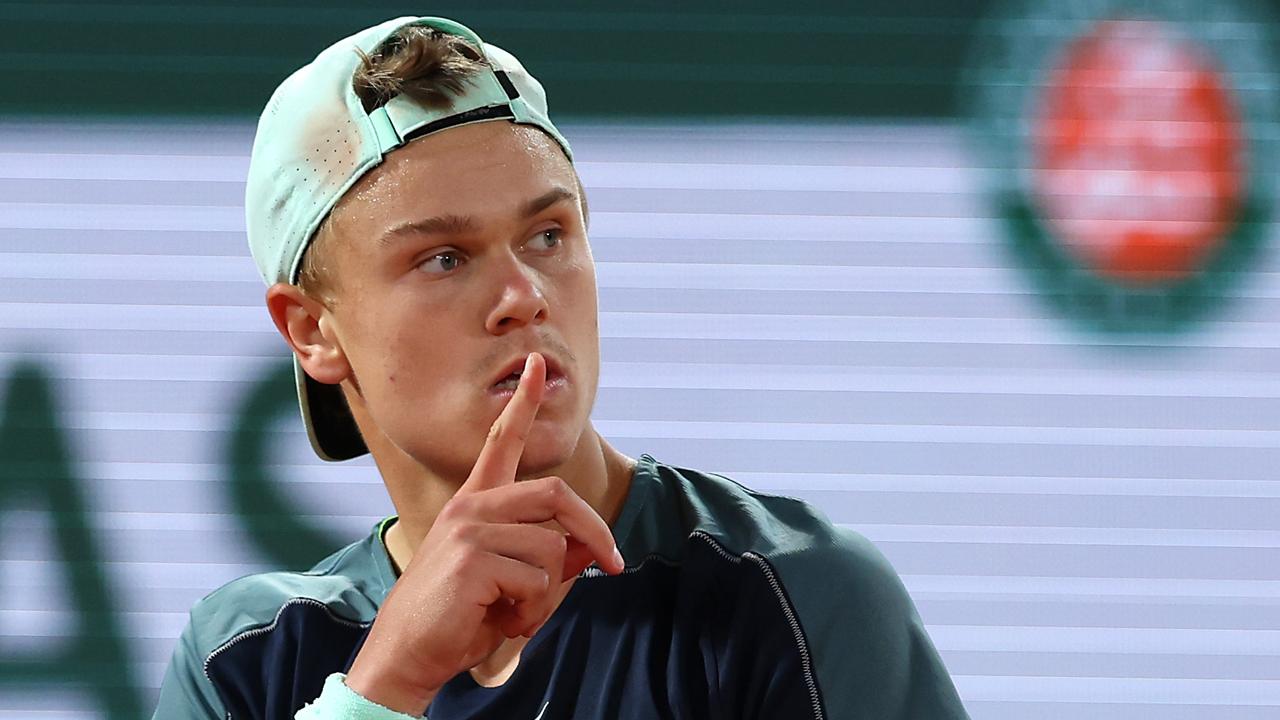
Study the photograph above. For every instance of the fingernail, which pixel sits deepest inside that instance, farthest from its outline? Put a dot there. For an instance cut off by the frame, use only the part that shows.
(617, 559)
(528, 362)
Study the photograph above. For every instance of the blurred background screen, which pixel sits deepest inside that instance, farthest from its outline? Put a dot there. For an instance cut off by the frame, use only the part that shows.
(994, 283)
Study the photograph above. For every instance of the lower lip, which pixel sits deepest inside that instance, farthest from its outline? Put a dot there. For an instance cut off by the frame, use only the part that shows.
(553, 386)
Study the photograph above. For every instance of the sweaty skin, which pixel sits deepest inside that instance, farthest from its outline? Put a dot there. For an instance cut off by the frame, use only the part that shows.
(464, 253)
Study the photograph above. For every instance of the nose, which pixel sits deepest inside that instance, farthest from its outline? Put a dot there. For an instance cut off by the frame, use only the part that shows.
(521, 302)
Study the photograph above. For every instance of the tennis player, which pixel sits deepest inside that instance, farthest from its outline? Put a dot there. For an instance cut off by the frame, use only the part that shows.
(423, 235)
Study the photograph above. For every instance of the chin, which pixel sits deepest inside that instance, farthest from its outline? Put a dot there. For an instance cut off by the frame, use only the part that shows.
(545, 451)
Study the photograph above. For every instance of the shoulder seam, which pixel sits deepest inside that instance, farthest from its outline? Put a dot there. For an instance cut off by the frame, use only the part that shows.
(802, 644)
(756, 494)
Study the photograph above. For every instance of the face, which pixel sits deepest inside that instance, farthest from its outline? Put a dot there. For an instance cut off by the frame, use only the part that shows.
(459, 255)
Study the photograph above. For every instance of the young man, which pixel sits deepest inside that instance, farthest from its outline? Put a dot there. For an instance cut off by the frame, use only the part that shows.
(422, 231)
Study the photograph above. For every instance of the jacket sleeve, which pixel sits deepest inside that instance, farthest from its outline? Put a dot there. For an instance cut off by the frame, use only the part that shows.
(868, 650)
(185, 692)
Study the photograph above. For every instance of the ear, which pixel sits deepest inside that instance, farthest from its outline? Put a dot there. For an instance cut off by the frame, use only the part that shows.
(302, 322)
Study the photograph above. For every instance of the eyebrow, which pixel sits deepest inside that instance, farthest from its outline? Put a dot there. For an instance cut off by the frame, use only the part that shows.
(458, 224)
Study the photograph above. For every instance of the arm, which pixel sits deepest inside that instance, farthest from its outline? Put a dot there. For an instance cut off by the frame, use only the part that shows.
(185, 692)
(187, 695)
(870, 653)
(822, 629)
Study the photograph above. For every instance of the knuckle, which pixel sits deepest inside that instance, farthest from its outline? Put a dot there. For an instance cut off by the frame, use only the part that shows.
(554, 489)
(466, 561)
(459, 505)
(462, 533)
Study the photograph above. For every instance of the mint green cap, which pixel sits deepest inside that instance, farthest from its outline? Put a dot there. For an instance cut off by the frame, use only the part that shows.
(315, 140)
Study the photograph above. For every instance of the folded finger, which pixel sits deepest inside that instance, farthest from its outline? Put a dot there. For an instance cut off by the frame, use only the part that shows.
(551, 498)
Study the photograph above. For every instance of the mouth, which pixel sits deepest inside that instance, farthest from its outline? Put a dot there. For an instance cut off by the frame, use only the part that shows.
(508, 378)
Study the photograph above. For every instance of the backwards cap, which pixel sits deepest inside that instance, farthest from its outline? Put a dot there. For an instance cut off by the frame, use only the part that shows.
(315, 140)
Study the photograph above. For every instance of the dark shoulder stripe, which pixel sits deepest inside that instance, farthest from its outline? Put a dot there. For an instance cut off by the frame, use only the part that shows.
(264, 629)
(802, 643)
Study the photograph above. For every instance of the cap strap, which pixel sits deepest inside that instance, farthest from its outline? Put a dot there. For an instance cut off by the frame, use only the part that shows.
(388, 137)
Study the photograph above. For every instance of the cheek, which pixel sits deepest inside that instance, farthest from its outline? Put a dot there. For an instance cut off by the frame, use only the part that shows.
(414, 355)
(390, 349)
(579, 281)
(581, 303)
(420, 397)
(577, 301)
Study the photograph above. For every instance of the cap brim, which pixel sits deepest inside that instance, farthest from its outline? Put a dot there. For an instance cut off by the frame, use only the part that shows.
(330, 427)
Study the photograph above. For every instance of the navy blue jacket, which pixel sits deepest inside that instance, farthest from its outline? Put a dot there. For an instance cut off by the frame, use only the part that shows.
(734, 605)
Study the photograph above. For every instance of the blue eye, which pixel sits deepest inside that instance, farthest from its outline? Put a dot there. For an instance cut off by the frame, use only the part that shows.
(440, 263)
(548, 239)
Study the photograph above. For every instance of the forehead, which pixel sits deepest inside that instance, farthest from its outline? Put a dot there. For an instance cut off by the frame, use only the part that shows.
(482, 168)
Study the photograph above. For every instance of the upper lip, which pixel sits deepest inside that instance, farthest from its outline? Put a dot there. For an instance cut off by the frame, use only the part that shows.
(517, 365)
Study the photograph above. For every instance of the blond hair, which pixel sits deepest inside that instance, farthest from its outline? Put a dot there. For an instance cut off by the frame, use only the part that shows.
(427, 65)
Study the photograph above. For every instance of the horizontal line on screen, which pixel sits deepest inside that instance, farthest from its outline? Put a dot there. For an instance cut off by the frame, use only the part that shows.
(217, 522)
(711, 377)
(621, 174)
(211, 522)
(687, 326)
(1143, 537)
(1015, 586)
(1210, 693)
(361, 472)
(227, 218)
(123, 166)
(772, 431)
(943, 434)
(1158, 641)
(969, 180)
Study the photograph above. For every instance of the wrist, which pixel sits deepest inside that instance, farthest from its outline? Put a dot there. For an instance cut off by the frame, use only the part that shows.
(337, 700)
(386, 684)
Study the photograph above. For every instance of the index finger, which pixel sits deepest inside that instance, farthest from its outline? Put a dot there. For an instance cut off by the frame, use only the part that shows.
(501, 453)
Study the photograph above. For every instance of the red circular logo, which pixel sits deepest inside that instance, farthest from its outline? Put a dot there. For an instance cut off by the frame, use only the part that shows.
(1137, 153)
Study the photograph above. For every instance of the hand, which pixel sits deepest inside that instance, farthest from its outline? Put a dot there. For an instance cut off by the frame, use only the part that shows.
(485, 572)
